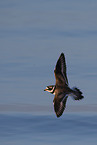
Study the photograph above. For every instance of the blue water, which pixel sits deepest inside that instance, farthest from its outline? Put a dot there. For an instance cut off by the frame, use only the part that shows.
(33, 34)
(22, 129)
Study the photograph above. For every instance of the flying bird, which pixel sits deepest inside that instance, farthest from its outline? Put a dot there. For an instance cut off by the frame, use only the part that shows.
(61, 89)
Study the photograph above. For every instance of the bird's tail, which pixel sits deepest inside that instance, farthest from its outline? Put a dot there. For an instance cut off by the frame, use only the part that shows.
(77, 94)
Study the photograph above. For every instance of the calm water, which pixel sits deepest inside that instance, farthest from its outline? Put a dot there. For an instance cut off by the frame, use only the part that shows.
(27, 129)
(32, 36)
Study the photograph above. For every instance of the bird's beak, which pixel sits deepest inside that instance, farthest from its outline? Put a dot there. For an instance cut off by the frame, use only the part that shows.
(45, 89)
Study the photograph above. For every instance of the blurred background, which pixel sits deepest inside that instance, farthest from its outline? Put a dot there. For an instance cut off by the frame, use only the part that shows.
(33, 34)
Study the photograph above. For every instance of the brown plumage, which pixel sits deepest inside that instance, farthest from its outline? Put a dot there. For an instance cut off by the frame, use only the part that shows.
(61, 88)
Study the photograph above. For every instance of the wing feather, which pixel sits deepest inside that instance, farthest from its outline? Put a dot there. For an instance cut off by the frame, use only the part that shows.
(59, 104)
(60, 71)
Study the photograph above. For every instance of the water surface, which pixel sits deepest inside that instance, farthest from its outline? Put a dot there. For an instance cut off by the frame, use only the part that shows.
(27, 129)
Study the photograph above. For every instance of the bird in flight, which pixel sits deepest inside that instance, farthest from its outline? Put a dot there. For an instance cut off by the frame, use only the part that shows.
(61, 89)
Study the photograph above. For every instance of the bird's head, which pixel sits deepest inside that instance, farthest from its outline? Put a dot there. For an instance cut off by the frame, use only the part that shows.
(50, 89)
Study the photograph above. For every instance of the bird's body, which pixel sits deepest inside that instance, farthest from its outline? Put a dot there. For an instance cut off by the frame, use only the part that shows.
(61, 89)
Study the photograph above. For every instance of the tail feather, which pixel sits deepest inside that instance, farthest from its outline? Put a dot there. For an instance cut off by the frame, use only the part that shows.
(77, 94)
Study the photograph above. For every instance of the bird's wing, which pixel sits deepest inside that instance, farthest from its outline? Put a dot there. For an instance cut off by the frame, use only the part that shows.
(59, 104)
(60, 71)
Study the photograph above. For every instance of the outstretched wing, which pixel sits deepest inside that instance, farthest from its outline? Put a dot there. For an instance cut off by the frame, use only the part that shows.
(59, 104)
(60, 71)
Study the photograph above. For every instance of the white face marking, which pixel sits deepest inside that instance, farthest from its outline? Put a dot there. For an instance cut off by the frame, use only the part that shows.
(49, 91)
(52, 89)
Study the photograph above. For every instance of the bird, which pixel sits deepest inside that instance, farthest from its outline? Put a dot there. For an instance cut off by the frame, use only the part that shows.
(61, 89)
